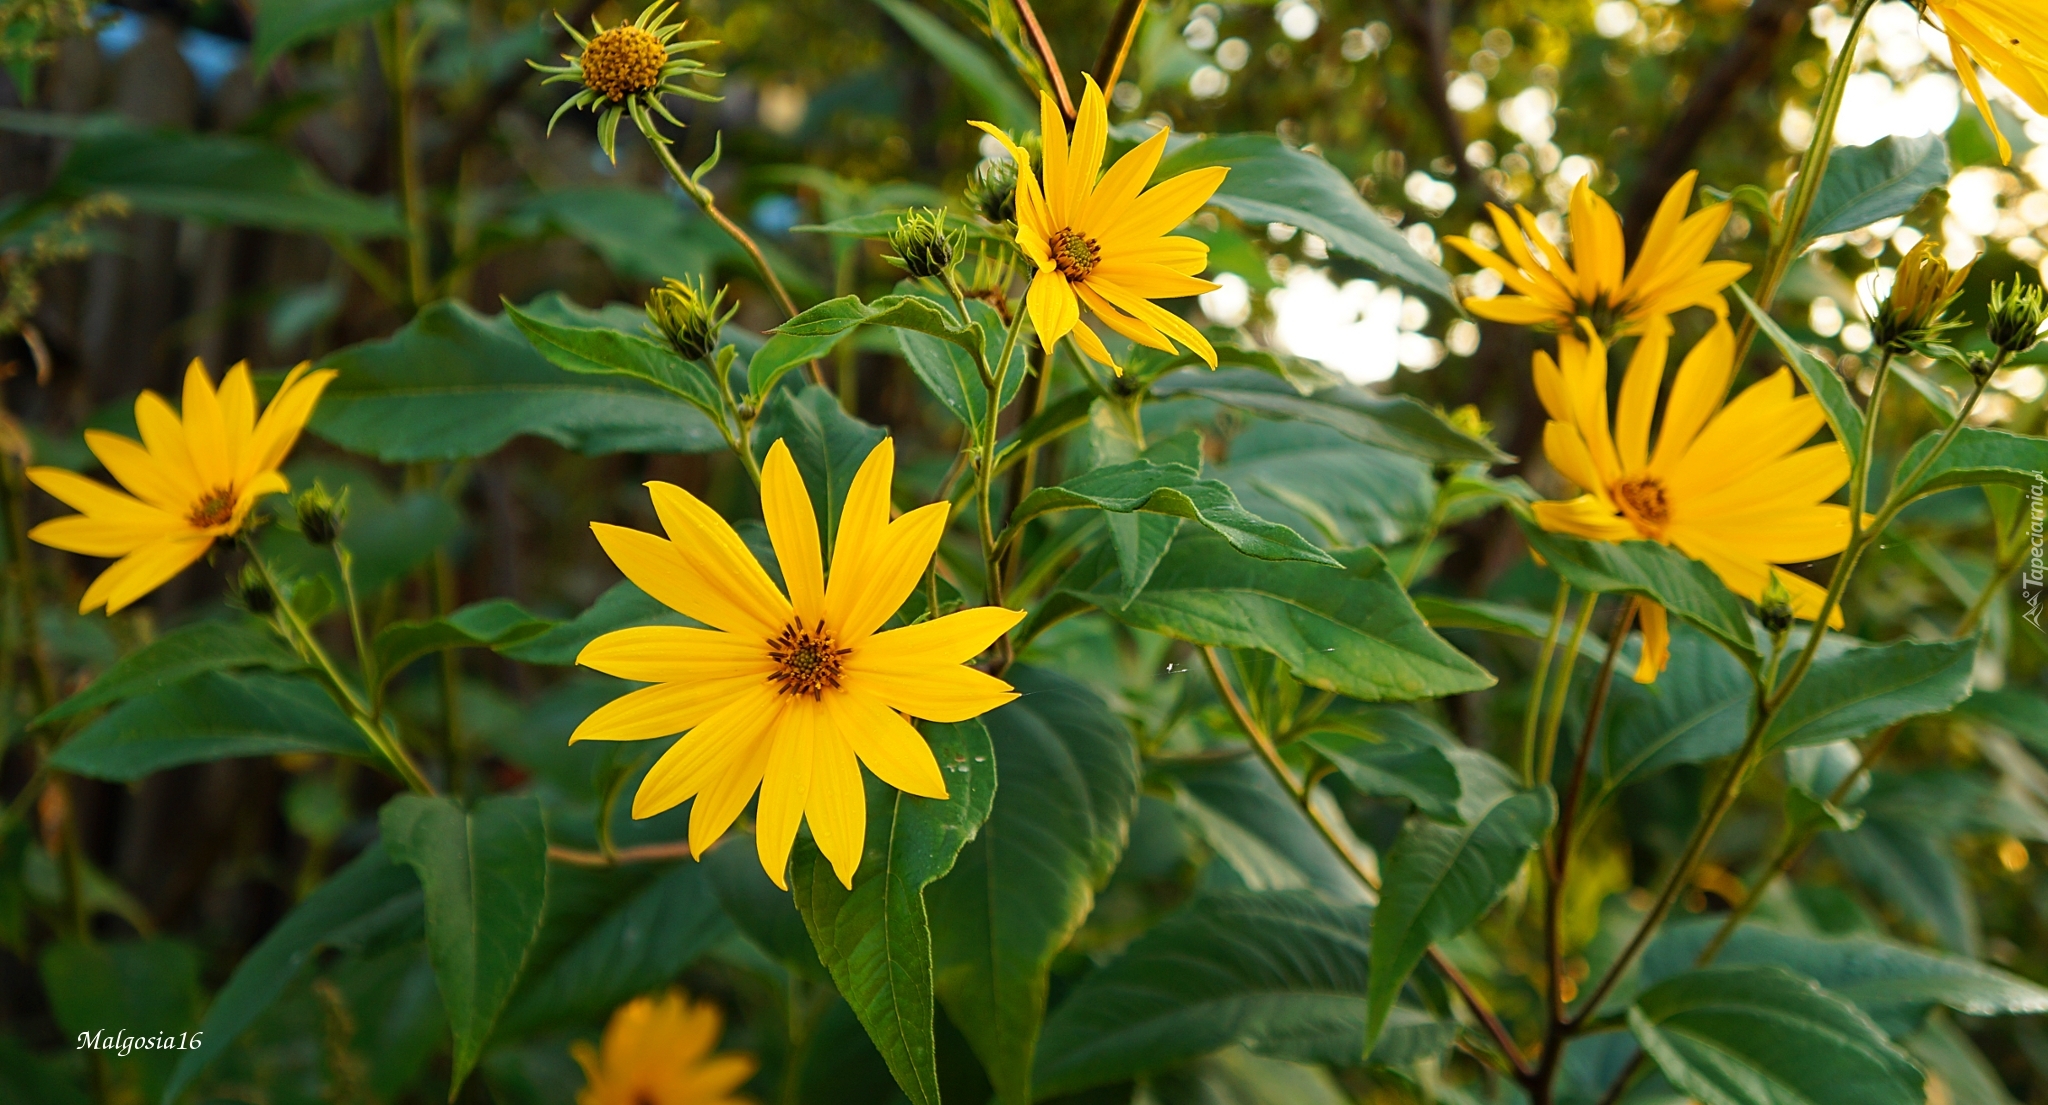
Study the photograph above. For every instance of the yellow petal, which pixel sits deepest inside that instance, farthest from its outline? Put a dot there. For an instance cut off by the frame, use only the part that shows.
(676, 654)
(95, 498)
(1566, 452)
(1120, 185)
(1172, 325)
(892, 569)
(1116, 320)
(786, 787)
(727, 793)
(793, 530)
(952, 639)
(1516, 310)
(283, 420)
(164, 436)
(890, 746)
(90, 536)
(206, 433)
(1164, 206)
(1793, 535)
(143, 571)
(1084, 155)
(1663, 232)
(863, 521)
(1585, 517)
(1031, 210)
(838, 805)
(1052, 140)
(1967, 69)
(237, 411)
(705, 754)
(1656, 641)
(1639, 397)
(1746, 575)
(1089, 343)
(721, 560)
(1801, 479)
(656, 567)
(161, 485)
(667, 708)
(933, 694)
(1053, 307)
(1696, 392)
(1550, 389)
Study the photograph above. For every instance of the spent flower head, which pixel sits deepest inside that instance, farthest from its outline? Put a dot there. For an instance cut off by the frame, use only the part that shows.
(628, 69)
(1916, 313)
(923, 248)
(691, 324)
(2017, 313)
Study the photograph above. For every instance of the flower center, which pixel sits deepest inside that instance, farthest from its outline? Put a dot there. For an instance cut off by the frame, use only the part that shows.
(1073, 254)
(806, 660)
(215, 508)
(1644, 503)
(622, 62)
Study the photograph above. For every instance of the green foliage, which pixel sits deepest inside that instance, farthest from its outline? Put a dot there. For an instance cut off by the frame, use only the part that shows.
(211, 715)
(175, 657)
(1867, 184)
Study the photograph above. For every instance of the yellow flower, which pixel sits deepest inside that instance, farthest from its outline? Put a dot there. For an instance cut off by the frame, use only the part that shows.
(1671, 271)
(1727, 484)
(657, 1051)
(1096, 239)
(2005, 37)
(781, 693)
(190, 480)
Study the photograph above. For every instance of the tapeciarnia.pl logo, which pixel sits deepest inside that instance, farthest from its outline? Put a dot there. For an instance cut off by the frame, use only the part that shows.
(2031, 581)
(123, 1042)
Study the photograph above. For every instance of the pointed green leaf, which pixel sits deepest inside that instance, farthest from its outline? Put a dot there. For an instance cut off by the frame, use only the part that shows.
(1681, 585)
(909, 312)
(1868, 184)
(496, 624)
(1861, 690)
(175, 657)
(1977, 456)
(485, 875)
(594, 349)
(1394, 422)
(1698, 710)
(219, 178)
(781, 354)
(1765, 1036)
(211, 716)
(1025, 883)
(1844, 416)
(1177, 491)
(1258, 829)
(875, 939)
(283, 24)
(951, 373)
(1388, 763)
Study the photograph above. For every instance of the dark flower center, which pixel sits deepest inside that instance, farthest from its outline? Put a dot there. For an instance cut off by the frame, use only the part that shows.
(215, 508)
(807, 663)
(622, 62)
(1073, 254)
(1645, 503)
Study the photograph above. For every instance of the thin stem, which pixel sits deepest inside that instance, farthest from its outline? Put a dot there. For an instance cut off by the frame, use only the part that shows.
(1284, 774)
(1554, 717)
(1813, 168)
(401, 53)
(1568, 809)
(1534, 709)
(1117, 43)
(639, 853)
(1043, 48)
(1865, 458)
(366, 658)
(1422, 543)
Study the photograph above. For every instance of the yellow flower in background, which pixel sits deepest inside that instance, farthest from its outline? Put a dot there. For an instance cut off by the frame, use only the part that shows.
(789, 694)
(1097, 239)
(1671, 271)
(190, 481)
(1732, 485)
(2004, 36)
(657, 1051)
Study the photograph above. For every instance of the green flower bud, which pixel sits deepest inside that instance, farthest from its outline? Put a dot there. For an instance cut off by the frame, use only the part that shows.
(1981, 367)
(690, 324)
(1916, 312)
(320, 515)
(254, 594)
(923, 248)
(993, 191)
(2017, 313)
(1774, 607)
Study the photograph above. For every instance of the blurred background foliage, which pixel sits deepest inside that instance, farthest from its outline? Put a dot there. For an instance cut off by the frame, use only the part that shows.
(182, 180)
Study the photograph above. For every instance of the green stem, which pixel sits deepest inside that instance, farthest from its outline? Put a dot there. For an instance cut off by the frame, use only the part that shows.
(401, 51)
(1534, 709)
(366, 657)
(1546, 755)
(1813, 167)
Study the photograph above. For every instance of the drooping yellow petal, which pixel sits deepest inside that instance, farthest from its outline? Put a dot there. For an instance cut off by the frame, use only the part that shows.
(1967, 70)
(1566, 451)
(1585, 516)
(1091, 344)
(793, 530)
(1656, 641)
(727, 793)
(1054, 310)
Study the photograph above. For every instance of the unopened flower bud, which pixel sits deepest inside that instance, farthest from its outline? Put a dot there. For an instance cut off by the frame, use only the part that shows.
(1916, 312)
(1981, 367)
(923, 248)
(2017, 313)
(993, 191)
(1468, 421)
(320, 515)
(690, 323)
(1774, 607)
(253, 593)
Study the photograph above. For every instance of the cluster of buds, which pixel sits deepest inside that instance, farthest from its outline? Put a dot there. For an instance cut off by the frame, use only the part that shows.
(1915, 316)
(923, 248)
(679, 313)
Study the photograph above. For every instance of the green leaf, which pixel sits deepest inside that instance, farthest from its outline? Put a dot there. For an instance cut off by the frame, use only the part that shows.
(211, 716)
(1681, 585)
(1698, 710)
(218, 178)
(1867, 184)
(1445, 612)
(370, 896)
(951, 373)
(1860, 690)
(1318, 482)
(908, 312)
(1349, 630)
(283, 24)
(1977, 456)
(783, 352)
(1271, 182)
(992, 87)
(600, 350)
(1022, 887)
(175, 657)
(763, 911)
(26, 1076)
(827, 444)
(1911, 868)
(1439, 879)
(1394, 422)
(875, 939)
(1765, 1036)
(485, 873)
(634, 941)
(143, 988)
(1894, 983)
(2023, 715)
(453, 384)
(622, 605)
(1390, 763)
(1844, 416)
(496, 624)
(1177, 491)
(1282, 973)
(1258, 830)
